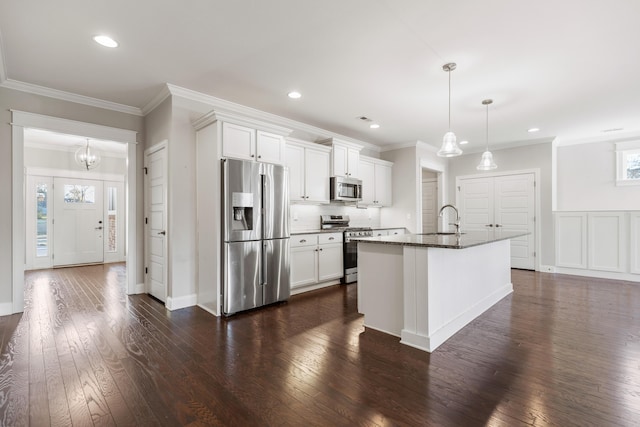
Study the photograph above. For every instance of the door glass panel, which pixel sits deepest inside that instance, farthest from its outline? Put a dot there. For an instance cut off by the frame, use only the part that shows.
(112, 219)
(79, 193)
(42, 242)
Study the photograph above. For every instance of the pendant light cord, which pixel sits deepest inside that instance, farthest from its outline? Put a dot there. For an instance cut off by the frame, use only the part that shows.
(487, 127)
(449, 100)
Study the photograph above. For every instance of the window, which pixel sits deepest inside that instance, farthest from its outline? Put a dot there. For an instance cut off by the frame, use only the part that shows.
(628, 163)
(42, 242)
(112, 220)
(79, 194)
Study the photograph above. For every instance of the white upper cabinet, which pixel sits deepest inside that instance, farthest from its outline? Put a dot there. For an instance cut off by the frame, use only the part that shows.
(238, 142)
(241, 142)
(270, 148)
(345, 158)
(309, 167)
(376, 181)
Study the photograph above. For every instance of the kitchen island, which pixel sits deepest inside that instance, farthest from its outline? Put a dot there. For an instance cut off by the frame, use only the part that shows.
(424, 288)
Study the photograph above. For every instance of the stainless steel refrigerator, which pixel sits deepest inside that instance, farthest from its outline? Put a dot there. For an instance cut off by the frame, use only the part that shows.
(255, 206)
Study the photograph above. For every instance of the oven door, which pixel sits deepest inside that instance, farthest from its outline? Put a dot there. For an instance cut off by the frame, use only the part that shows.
(350, 254)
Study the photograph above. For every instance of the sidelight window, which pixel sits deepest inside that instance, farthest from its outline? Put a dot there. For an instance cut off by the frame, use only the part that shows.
(42, 241)
(112, 219)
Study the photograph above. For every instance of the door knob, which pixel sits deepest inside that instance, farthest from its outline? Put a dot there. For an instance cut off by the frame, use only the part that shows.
(162, 233)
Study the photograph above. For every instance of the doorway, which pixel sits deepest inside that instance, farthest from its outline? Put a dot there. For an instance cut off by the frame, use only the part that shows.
(429, 201)
(21, 122)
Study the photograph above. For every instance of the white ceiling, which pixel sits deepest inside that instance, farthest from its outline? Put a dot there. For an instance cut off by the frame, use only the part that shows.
(569, 67)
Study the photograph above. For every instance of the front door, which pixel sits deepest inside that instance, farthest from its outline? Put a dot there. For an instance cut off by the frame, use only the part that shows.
(77, 222)
(155, 198)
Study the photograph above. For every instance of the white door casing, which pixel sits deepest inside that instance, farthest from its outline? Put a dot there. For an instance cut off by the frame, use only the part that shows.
(20, 120)
(503, 202)
(78, 224)
(155, 201)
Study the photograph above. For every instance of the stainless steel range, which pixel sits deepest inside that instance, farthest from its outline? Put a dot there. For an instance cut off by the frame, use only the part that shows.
(350, 247)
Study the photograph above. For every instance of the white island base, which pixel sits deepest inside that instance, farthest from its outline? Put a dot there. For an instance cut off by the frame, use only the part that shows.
(425, 295)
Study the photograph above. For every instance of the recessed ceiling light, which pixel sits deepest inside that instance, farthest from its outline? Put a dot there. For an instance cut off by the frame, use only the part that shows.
(463, 142)
(106, 41)
(374, 126)
(294, 95)
(532, 130)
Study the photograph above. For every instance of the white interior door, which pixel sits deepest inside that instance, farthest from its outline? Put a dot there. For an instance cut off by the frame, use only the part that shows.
(504, 202)
(156, 222)
(515, 211)
(429, 206)
(77, 222)
(476, 204)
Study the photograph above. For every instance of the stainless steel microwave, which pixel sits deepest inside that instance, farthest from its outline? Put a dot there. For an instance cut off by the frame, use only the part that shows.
(345, 189)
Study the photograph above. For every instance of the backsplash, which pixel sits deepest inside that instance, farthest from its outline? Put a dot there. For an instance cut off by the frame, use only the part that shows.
(307, 217)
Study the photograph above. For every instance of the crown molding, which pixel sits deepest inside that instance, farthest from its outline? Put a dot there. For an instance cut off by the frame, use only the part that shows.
(607, 137)
(401, 145)
(156, 100)
(222, 106)
(70, 97)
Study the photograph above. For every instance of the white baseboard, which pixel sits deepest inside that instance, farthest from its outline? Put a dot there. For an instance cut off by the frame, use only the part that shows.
(6, 308)
(547, 269)
(431, 342)
(210, 309)
(599, 274)
(301, 289)
(181, 302)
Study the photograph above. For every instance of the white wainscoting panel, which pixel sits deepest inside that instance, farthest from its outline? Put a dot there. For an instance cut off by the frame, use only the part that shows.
(571, 239)
(606, 239)
(634, 242)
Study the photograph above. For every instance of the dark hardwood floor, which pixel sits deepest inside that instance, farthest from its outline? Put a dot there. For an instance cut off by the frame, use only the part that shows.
(560, 350)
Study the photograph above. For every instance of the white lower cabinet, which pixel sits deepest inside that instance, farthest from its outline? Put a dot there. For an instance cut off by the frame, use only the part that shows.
(315, 258)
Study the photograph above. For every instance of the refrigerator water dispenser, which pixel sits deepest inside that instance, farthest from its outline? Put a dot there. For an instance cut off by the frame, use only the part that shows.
(242, 211)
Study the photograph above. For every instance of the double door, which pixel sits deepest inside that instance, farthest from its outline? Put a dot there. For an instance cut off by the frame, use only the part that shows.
(492, 204)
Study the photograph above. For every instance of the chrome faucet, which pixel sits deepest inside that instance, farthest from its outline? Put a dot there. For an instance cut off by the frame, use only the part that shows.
(456, 223)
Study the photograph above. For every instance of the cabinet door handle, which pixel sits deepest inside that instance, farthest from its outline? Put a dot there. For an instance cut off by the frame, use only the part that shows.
(253, 155)
(320, 249)
(99, 228)
(303, 241)
(498, 225)
(489, 225)
(162, 233)
(259, 157)
(332, 238)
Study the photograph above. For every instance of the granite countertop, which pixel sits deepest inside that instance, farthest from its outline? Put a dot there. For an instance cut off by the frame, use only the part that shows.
(449, 241)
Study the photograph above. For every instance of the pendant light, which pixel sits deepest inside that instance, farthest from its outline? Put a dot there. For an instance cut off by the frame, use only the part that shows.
(449, 146)
(486, 162)
(87, 157)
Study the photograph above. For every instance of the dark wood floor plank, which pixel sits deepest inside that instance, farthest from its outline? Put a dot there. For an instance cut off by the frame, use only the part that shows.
(561, 350)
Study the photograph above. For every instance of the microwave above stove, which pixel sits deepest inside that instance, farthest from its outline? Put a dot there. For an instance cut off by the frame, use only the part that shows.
(345, 189)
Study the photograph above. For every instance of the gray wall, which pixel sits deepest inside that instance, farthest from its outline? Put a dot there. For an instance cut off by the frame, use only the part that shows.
(12, 99)
(586, 179)
(528, 157)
